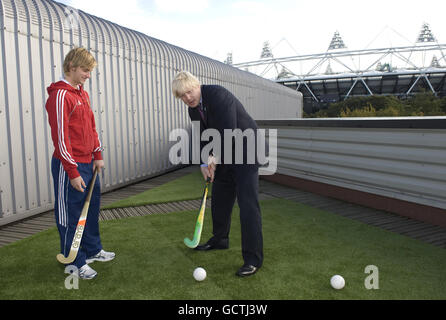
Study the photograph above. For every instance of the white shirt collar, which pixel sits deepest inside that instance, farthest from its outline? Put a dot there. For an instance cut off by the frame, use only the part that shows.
(65, 80)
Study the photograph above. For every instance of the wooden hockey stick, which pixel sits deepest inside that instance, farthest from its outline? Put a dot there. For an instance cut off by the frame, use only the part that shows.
(80, 226)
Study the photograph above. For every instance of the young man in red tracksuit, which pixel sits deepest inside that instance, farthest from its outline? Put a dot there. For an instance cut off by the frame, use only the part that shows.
(77, 153)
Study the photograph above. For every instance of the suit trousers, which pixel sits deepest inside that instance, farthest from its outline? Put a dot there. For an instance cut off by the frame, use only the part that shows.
(241, 182)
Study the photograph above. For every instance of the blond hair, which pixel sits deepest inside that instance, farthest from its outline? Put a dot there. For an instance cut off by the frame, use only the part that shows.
(183, 82)
(79, 57)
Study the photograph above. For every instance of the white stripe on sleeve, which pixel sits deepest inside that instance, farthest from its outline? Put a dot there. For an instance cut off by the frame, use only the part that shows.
(60, 102)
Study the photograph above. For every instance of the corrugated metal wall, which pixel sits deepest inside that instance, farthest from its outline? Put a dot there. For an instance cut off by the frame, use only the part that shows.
(130, 93)
(397, 158)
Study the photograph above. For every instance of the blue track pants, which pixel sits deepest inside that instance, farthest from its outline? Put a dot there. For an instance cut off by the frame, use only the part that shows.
(68, 207)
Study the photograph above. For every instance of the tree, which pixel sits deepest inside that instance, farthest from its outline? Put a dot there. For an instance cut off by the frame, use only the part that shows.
(426, 103)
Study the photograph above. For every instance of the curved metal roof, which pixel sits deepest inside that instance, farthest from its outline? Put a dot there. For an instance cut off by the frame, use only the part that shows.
(130, 92)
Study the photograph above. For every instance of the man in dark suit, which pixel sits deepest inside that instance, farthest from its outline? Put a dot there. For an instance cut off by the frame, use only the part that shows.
(234, 176)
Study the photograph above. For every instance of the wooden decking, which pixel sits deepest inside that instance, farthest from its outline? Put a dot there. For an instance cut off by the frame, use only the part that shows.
(412, 228)
(27, 227)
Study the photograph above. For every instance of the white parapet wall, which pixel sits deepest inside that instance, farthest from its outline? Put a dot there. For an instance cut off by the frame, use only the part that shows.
(400, 158)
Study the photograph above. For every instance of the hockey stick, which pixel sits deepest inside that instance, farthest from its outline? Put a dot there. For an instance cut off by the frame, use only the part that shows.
(80, 226)
(199, 225)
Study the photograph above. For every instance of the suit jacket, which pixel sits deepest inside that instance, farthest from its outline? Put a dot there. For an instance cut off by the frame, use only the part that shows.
(224, 111)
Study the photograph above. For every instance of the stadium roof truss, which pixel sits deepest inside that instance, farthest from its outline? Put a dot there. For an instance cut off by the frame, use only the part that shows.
(340, 73)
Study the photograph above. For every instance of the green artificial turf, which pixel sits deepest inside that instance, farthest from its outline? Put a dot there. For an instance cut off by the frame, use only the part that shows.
(188, 187)
(303, 248)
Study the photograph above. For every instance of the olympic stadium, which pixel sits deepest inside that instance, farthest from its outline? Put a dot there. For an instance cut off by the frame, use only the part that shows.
(340, 73)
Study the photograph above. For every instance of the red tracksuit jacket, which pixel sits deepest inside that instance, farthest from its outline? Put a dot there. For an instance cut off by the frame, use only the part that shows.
(73, 127)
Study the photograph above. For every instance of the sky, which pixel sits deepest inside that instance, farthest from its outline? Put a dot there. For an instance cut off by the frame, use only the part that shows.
(214, 28)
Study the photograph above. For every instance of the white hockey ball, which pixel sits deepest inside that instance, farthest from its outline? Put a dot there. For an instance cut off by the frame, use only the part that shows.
(199, 274)
(337, 282)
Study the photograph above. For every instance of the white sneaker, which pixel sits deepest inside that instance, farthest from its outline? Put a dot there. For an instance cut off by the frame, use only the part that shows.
(101, 256)
(86, 272)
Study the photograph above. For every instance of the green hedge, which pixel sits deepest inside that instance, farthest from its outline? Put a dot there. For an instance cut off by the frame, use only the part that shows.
(421, 104)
